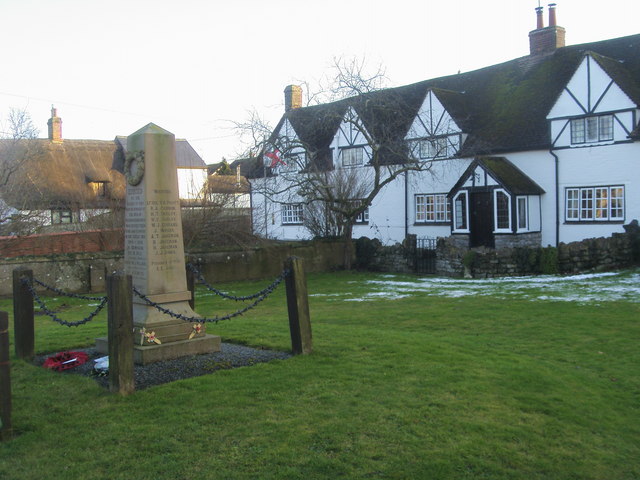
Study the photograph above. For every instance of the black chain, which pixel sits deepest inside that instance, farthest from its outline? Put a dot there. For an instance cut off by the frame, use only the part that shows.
(52, 314)
(66, 294)
(268, 289)
(265, 293)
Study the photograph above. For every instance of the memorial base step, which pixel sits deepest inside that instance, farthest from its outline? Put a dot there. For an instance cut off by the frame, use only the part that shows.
(143, 355)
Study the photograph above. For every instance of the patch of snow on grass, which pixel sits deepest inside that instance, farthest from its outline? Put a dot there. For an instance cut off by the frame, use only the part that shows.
(584, 288)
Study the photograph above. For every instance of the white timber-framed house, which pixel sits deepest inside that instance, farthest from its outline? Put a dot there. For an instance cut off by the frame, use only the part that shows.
(536, 151)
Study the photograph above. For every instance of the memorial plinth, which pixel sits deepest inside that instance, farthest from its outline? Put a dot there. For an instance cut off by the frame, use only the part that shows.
(154, 252)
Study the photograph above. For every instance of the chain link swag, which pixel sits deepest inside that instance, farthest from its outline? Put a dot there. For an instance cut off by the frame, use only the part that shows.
(259, 297)
(52, 314)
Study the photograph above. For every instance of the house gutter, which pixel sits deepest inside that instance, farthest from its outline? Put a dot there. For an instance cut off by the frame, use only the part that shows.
(556, 165)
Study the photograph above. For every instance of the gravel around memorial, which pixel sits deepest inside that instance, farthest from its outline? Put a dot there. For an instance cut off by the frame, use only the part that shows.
(230, 356)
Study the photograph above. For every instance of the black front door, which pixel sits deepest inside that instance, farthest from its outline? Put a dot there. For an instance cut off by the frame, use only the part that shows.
(481, 220)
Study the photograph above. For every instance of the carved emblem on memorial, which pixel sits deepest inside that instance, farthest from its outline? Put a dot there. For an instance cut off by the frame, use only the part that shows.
(134, 167)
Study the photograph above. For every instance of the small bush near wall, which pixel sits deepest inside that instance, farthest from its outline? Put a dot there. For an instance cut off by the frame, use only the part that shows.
(549, 261)
(366, 251)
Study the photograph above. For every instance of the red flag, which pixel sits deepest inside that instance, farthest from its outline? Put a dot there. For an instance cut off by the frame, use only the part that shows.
(275, 158)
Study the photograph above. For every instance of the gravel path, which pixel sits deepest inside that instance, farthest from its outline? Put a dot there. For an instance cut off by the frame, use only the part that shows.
(230, 356)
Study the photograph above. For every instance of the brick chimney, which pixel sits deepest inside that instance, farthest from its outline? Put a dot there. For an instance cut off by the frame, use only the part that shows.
(546, 39)
(55, 126)
(292, 97)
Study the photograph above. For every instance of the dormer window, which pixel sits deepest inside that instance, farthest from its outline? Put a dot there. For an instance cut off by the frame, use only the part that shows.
(352, 157)
(592, 129)
(99, 189)
(434, 148)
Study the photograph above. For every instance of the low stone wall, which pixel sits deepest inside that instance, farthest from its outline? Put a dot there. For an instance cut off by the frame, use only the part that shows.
(84, 272)
(523, 240)
(455, 259)
(593, 254)
(396, 258)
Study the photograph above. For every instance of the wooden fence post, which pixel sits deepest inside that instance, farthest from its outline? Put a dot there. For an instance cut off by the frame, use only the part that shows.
(298, 306)
(120, 335)
(191, 286)
(5, 379)
(23, 314)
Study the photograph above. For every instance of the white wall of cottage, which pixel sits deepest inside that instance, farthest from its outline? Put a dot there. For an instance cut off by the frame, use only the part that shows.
(191, 181)
(599, 166)
(438, 179)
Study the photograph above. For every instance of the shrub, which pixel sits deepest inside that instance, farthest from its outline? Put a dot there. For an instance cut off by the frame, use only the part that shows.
(549, 261)
(366, 249)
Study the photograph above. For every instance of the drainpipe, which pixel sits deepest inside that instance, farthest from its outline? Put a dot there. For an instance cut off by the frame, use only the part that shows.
(557, 198)
(406, 204)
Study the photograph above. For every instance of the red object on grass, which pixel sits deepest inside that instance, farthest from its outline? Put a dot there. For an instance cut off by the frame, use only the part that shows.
(65, 360)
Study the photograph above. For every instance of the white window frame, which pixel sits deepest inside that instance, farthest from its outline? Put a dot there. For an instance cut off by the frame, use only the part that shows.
(460, 225)
(602, 203)
(496, 228)
(292, 214)
(431, 208)
(592, 129)
(347, 153)
(522, 221)
(362, 217)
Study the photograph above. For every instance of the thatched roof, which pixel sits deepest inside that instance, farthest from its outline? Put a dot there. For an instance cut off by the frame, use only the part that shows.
(227, 184)
(63, 174)
(74, 173)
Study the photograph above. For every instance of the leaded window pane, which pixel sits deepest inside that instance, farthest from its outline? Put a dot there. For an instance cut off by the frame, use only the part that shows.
(606, 127)
(502, 210)
(577, 130)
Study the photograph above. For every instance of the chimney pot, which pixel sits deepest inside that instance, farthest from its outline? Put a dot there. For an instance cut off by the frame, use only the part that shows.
(539, 19)
(552, 15)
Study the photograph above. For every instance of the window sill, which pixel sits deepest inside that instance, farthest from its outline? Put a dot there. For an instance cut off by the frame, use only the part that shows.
(291, 224)
(432, 224)
(594, 222)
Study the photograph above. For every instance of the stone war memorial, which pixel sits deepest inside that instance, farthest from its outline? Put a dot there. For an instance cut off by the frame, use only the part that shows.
(154, 254)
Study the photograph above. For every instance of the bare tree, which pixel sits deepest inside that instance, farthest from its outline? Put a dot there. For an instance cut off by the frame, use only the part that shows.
(217, 216)
(334, 191)
(16, 148)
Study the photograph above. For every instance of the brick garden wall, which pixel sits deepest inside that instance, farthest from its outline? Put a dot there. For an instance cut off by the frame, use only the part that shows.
(64, 242)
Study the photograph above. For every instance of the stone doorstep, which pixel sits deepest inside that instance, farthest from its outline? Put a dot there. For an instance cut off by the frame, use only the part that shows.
(143, 355)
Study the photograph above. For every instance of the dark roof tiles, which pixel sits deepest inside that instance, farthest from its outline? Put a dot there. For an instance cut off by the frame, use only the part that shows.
(502, 107)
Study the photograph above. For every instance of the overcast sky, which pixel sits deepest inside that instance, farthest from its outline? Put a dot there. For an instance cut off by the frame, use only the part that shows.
(193, 66)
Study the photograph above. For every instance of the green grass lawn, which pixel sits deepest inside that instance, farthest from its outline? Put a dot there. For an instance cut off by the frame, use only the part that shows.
(420, 387)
